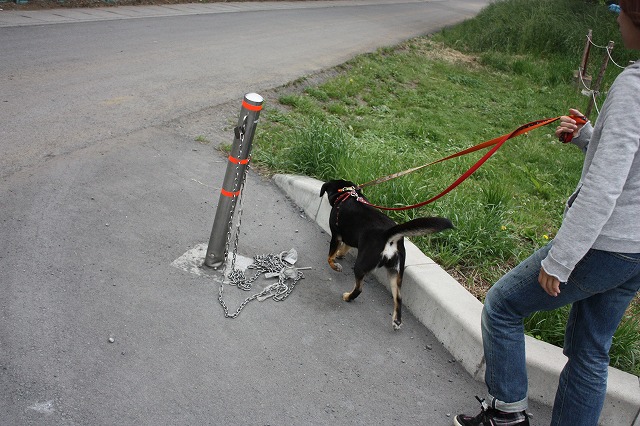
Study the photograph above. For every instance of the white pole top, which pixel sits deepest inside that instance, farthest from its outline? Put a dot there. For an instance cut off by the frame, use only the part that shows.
(254, 97)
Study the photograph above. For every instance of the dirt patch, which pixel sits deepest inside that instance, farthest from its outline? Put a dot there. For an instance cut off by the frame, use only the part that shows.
(439, 52)
(57, 4)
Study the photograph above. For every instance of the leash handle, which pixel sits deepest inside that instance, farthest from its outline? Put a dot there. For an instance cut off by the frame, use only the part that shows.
(566, 137)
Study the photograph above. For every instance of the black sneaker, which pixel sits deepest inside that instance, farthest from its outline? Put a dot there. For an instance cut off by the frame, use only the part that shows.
(492, 417)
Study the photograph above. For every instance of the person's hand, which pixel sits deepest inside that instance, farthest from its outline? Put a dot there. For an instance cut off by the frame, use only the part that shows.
(569, 125)
(549, 284)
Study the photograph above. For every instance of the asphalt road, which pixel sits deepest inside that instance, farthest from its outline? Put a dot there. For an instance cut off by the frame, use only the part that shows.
(70, 86)
(103, 187)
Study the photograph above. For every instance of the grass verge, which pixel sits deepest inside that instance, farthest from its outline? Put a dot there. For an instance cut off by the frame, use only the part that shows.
(404, 106)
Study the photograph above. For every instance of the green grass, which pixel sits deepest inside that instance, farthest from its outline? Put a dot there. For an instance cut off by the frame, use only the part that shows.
(203, 140)
(429, 97)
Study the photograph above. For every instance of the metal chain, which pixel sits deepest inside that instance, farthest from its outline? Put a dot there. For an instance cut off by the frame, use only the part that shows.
(271, 265)
(239, 134)
(240, 131)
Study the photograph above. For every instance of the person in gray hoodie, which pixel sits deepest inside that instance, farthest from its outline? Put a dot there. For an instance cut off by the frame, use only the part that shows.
(593, 263)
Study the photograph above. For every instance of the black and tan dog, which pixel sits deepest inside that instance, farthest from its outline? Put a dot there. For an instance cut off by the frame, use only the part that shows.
(379, 240)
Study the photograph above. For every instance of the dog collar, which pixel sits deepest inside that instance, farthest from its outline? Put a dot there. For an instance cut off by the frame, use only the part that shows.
(349, 191)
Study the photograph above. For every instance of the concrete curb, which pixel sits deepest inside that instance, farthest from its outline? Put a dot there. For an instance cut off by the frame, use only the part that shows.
(453, 315)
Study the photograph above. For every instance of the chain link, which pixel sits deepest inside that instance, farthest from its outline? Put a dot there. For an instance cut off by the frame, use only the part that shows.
(271, 265)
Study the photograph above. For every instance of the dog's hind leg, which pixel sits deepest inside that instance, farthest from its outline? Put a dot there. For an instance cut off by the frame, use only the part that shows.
(395, 282)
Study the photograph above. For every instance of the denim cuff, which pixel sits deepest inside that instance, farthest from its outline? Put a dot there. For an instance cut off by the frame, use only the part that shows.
(509, 407)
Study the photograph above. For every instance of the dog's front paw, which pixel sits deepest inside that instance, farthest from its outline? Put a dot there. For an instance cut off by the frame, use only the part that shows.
(396, 325)
(336, 267)
(346, 297)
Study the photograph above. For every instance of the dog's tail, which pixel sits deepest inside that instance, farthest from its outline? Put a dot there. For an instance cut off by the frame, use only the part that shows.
(418, 227)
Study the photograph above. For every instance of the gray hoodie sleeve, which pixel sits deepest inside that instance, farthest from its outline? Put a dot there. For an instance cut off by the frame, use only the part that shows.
(611, 146)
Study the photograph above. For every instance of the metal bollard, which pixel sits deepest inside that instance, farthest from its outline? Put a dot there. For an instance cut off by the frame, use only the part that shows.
(233, 179)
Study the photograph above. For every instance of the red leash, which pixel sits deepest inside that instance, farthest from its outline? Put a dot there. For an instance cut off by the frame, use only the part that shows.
(496, 143)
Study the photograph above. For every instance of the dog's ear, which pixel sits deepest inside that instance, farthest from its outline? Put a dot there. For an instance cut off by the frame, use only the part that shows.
(324, 188)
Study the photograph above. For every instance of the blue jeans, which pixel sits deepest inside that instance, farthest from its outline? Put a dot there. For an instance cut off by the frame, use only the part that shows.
(600, 287)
